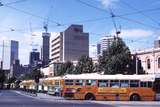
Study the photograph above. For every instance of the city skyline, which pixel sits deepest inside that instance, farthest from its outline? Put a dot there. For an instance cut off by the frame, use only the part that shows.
(139, 29)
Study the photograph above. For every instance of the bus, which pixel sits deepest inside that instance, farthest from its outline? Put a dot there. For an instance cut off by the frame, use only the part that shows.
(120, 87)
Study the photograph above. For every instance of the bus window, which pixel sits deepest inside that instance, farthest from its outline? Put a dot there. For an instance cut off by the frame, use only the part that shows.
(114, 83)
(79, 82)
(91, 82)
(102, 83)
(68, 82)
(143, 84)
(134, 83)
(124, 83)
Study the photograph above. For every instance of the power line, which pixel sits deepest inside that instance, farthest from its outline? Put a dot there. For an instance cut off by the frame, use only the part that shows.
(121, 16)
(87, 4)
(28, 13)
(138, 22)
(18, 1)
(130, 6)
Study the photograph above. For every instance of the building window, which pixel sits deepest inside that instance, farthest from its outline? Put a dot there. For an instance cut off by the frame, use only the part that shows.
(159, 62)
(148, 64)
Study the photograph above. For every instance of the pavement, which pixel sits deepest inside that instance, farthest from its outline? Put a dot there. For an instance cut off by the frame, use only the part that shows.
(12, 98)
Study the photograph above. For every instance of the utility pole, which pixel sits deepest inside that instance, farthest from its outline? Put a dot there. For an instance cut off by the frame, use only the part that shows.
(136, 64)
(2, 55)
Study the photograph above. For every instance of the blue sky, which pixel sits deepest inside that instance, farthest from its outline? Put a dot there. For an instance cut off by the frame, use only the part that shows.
(139, 30)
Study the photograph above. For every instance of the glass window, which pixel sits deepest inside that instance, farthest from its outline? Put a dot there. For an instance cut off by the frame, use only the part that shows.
(124, 83)
(150, 84)
(144, 84)
(102, 83)
(68, 82)
(80, 82)
(159, 62)
(148, 64)
(56, 82)
(91, 82)
(114, 83)
(134, 83)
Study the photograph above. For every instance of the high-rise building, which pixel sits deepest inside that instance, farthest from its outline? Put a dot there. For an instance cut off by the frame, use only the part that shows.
(105, 42)
(10, 53)
(70, 44)
(93, 51)
(157, 43)
(98, 49)
(45, 48)
(34, 58)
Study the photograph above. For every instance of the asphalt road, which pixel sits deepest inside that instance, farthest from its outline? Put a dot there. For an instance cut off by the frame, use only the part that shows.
(11, 99)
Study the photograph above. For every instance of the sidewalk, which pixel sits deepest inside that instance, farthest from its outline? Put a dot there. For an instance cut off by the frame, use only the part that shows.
(39, 95)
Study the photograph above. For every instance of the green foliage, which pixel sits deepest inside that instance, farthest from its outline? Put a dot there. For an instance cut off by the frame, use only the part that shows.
(66, 68)
(116, 58)
(11, 80)
(35, 74)
(84, 65)
(2, 78)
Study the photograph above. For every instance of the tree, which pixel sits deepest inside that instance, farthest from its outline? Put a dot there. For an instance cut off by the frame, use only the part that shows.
(84, 65)
(2, 78)
(34, 75)
(66, 68)
(115, 58)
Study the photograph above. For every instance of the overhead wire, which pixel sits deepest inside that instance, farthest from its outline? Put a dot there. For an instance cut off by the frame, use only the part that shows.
(120, 16)
(136, 10)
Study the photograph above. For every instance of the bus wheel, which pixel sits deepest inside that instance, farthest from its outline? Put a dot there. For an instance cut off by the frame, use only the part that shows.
(135, 97)
(90, 96)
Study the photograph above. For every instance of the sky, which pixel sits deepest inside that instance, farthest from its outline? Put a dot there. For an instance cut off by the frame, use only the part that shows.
(23, 20)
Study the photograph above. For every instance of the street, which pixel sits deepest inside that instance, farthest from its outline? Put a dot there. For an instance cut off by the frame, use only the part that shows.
(10, 98)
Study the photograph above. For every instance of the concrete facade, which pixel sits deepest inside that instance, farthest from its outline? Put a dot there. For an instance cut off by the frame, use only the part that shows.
(150, 60)
(105, 42)
(10, 53)
(45, 48)
(70, 44)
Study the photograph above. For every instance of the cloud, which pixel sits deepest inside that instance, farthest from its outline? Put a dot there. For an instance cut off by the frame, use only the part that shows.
(134, 33)
(107, 3)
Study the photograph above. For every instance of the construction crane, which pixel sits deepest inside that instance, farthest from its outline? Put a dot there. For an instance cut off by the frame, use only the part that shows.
(118, 30)
(32, 35)
(45, 24)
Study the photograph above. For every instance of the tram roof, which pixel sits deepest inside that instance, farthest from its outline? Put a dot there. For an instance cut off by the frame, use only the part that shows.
(146, 77)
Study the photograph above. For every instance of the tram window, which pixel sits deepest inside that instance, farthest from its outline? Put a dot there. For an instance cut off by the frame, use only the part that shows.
(102, 83)
(68, 82)
(143, 84)
(114, 83)
(150, 84)
(91, 82)
(124, 83)
(79, 82)
(134, 83)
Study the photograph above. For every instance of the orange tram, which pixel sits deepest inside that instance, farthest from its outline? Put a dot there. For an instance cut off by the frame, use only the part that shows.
(94, 86)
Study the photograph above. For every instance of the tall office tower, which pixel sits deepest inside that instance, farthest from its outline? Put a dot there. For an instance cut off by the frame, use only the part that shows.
(98, 49)
(10, 53)
(45, 48)
(70, 45)
(34, 58)
(105, 42)
(157, 43)
(93, 51)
